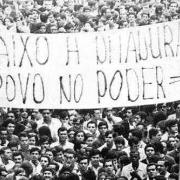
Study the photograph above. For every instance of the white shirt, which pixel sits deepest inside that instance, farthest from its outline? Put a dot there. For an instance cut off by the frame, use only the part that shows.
(141, 170)
(67, 145)
(9, 165)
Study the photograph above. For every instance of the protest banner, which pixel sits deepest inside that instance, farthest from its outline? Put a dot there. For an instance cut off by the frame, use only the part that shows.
(128, 67)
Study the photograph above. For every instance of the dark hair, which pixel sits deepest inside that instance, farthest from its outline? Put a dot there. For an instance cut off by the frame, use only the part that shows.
(45, 156)
(153, 132)
(13, 144)
(18, 153)
(148, 145)
(35, 149)
(27, 167)
(133, 140)
(137, 133)
(102, 123)
(92, 122)
(119, 140)
(62, 129)
(56, 165)
(94, 152)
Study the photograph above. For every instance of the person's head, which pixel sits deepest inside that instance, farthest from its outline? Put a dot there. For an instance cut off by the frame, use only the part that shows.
(89, 139)
(102, 127)
(173, 7)
(13, 145)
(23, 137)
(134, 156)
(149, 150)
(172, 141)
(119, 143)
(44, 161)
(10, 126)
(109, 137)
(155, 134)
(32, 139)
(162, 166)
(131, 18)
(48, 173)
(48, 4)
(54, 166)
(18, 158)
(133, 143)
(10, 115)
(58, 154)
(63, 135)
(6, 153)
(71, 133)
(108, 165)
(151, 170)
(44, 142)
(83, 163)
(129, 112)
(3, 134)
(173, 176)
(69, 157)
(92, 126)
(46, 113)
(35, 153)
(26, 165)
(172, 125)
(79, 136)
(94, 157)
(97, 114)
(50, 153)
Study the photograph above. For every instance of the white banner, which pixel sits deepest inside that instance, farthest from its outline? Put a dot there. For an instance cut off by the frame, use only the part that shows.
(126, 67)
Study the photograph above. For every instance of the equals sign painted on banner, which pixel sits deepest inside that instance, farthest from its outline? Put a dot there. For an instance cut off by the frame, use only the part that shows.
(174, 79)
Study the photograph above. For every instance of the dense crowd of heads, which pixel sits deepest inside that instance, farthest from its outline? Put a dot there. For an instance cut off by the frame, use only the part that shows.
(132, 143)
(68, 16)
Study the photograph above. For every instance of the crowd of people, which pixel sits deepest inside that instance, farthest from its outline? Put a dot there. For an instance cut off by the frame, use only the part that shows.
(127, 143)
(68, 16)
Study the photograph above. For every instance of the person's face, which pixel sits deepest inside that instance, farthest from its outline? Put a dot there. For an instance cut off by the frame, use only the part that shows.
(44, 162)
(174, 128)
(83, 164)
(173, 7)
(103, 129)
(119, 146)
(109, 139)
(18, 160)
(46, 115)
(158, 136)
(92, 128)
(172, 142)
(35, 155)
(134, 156)
(48, 175)
(69, 159)
(131, 18)
(47, 4)
(160, 166)
(63, 136)
(11, 116)
(24, 141)
(129, 113)
(150, 151)
(89, 141)
(71, 135)
(35, 15)
(10, 128)
(45, 145)
(50, 154)
(43, 29)
(95, 160)
(178, 108)
(8, 154)
(151, 171)
(97, 114)
(59, 157)
(123, 14)
(109, 166)
(80, 136)
(145, 17)
(32, 141)
(3, 135)
(14, 149)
